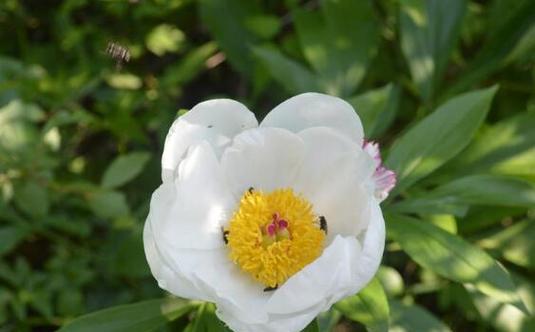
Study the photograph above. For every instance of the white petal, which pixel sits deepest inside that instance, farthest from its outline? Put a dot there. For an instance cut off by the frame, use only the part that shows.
(189, 212)
(314, 110)
(264, 158)
(293, 322)
(333, 178)
(228, 286)
(373, 245)
(319, 280)
(168, 279)
(216, 121)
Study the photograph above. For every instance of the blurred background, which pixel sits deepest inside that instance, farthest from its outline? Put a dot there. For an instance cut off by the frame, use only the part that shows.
(89, 88)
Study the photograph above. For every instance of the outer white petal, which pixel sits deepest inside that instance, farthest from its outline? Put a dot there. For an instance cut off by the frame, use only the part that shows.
(332, 178)
(216, 121)
(318, 280)
(314, 110)
(293, 322)
(263, 158)
(189, 212)
(168, 279)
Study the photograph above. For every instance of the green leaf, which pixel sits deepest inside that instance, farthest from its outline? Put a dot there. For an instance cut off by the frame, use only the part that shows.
(452, 257)
(414, 318)
(456, 196)
(339, 42)
(438, 137)
(511, 21)
(369, 307)
(377, 108)
(108, 204)
(502, 316)
(10, 236)
(312, 327)
(488, 190)
(327, 320)
(124, 168)
(189, 67)
(515, 243)
(32, 198)
(207, 321)
(138, 317)
(290, 74)
(507, 147)
(429, 30)
(227, 23)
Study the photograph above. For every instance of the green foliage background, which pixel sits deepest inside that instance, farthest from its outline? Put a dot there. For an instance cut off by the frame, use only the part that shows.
(447, 88)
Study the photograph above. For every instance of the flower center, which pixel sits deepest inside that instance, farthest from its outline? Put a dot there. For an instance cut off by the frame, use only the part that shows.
(274, 235)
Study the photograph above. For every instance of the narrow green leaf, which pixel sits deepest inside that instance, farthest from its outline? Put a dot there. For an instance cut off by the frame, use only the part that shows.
(226, 21)
(138, 317)
(108, 204)
(515, 243)
(507, 147)
(511, 21)
(414, 318)
(438, 137)
(339, 42)
(369, 307)
(290, 74)
(452, 257)
(124, 168)
(456, 196)
(429, 30)
(377, 108)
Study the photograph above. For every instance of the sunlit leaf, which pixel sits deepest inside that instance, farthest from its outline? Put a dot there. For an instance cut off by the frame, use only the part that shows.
(408, 318)
(377, 108)
(290, 74)
(429, 30)
(452, 257)
(438, 137)
(339, 42)
(138, 317)
(227, 23)
(369, 307)
(514, 243)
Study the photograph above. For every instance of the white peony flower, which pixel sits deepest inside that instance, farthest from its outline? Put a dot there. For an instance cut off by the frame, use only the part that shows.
(274, 222)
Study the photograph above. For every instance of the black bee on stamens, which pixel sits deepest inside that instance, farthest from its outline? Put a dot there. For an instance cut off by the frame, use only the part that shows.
(250, 190)
(225, 235)
(323, 224)
(269, 289)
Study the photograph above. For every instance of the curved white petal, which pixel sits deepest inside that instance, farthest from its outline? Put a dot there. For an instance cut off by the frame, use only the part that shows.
(168, 279)
(263, 158)
(277, 323)
(314, 110)
(332, 178)
(318, 280)
(189, 212)
(216, 121)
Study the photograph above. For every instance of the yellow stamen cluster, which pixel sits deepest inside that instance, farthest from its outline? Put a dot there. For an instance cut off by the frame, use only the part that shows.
(273, 262)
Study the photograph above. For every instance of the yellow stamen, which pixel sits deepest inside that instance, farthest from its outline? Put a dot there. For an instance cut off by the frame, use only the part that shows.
(273, 258)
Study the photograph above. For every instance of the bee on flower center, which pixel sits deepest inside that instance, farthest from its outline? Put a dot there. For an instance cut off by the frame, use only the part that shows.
(323, 224)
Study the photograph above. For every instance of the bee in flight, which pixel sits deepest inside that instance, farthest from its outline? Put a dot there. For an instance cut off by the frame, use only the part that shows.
(118, 52)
